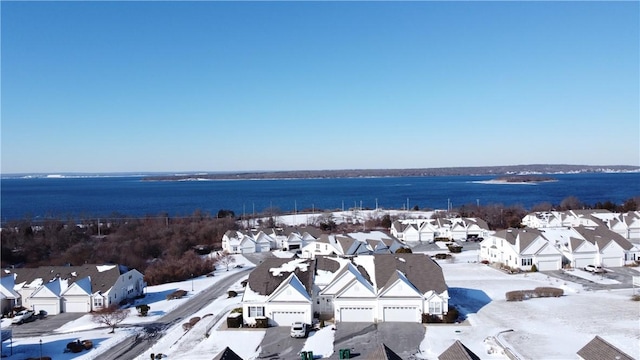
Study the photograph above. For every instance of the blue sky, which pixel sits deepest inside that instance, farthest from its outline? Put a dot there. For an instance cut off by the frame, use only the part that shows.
(228, 86)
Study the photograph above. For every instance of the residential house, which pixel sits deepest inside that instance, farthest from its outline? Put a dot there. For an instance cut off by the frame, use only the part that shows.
(600, 349)
(362, 288)
(428, 230)
(9, 298)
(626, 224)
(613, 250)
(457, 351)
(227, 354)
(57, 289)
(350, 245)
(569, 218)
(382, 352)
(521, 248)
(235, 242)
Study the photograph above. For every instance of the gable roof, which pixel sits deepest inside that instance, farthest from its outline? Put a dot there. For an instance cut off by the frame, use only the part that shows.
(599, 349)
(227, 354)
(103, 277)
(602, 236)
(264, 281)
(382, 352)
(457, 351)
(422, 271)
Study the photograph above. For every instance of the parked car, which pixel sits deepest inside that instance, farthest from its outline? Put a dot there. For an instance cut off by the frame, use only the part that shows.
(41, 314)
(22, 317)
(596, 269)
(298, 330)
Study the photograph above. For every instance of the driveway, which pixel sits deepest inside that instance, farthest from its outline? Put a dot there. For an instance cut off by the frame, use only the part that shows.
(623, 275)
(278, 344)
(44, 326)
(362, 338)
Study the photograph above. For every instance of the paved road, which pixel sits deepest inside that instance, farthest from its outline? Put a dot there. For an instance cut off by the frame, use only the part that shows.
(151, 333)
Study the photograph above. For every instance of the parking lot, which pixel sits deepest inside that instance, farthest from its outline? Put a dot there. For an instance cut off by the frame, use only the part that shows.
(359, 338)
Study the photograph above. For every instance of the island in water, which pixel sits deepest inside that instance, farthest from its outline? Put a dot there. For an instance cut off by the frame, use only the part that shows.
(524, 179)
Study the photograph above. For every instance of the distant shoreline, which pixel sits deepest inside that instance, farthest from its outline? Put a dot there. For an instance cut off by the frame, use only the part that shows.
(521, 173)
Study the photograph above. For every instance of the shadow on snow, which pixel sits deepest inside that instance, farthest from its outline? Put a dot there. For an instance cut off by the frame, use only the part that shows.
(468, 301)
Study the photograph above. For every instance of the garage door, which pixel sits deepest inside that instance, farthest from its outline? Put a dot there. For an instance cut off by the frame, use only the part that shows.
(51, 309)
(400, 314)
(286, 318)
(611, 262)
(548, 265)
(79, 306)
(356, 314)
(581, 263)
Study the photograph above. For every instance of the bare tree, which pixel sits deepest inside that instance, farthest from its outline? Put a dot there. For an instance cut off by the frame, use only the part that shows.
(226, 259)
(110, 316)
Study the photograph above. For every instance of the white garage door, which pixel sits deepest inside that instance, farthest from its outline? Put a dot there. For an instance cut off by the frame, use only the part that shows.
(51, 309)
(79, 306)
(356, 314)
(401, 314)
(611, 262)
(581, 263)
(286, 318)
(547, 265)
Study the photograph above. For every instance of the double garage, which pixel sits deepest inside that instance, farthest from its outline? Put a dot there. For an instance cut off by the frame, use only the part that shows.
(286, 318)
(389, 314)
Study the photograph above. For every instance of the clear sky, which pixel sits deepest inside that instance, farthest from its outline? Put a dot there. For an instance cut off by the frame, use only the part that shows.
(228, 86)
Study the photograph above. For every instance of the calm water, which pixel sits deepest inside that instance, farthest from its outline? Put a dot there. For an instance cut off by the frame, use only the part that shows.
(105, 196)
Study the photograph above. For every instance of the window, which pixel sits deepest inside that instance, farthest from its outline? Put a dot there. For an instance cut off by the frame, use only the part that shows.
(97, 302)
(527, 262)
(435, 307)
(255, 311)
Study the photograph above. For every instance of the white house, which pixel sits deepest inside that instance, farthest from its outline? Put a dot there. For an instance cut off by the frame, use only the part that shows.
(521, 248)
(235, 242)
(428, 230)
(363, 288)
(613, 250)
(57, 289)
(9, 298)
(626, 224)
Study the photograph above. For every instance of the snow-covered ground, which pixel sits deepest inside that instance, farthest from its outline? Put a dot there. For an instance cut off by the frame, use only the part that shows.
(543, 328)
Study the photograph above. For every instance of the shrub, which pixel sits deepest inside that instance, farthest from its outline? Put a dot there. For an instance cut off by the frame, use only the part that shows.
(431, 319)
(519, 295)
(486, 262)
(548, 292)
(187, 326)
(534, 268)
(143, 309)
(232, 293)
(635, 297)
(451, 316)
(194, 320)
(237, 310)
(442, 256)
(403, 250)
(516, 295)
(454, 248)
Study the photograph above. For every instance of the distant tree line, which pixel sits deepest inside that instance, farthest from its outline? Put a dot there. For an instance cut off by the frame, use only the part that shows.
(162, 247)
(169, 249)
(500, 217)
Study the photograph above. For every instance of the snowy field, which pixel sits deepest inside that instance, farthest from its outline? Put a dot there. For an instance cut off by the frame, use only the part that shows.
(549, 328)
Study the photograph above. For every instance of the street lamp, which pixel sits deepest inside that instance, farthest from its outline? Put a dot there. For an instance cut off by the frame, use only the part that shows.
(191, 282)
(40, 349)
